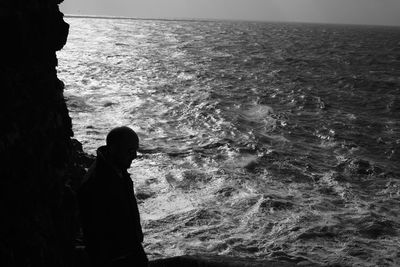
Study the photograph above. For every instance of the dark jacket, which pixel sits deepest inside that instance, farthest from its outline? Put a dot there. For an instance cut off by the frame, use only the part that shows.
(109, 212)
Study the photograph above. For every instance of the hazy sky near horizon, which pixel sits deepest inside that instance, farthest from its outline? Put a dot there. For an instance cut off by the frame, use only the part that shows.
(379, 12)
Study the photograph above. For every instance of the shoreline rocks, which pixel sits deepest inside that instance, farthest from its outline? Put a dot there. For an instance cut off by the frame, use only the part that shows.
(38, 223)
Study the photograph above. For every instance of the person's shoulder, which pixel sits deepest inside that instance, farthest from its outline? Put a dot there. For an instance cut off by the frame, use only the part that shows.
(89, 177)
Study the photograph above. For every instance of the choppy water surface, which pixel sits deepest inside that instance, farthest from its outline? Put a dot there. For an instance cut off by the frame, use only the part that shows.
(278, 141)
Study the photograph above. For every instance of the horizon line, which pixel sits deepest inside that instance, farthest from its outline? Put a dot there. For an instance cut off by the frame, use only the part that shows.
(221, 19)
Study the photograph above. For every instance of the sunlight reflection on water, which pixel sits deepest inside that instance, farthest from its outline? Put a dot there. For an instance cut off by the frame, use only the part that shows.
(277, 142)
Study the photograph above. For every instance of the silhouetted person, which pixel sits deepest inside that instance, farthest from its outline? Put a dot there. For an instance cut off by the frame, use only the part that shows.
(109, 212)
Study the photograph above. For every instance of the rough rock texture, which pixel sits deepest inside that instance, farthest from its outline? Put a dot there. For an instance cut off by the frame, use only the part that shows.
(38, 213)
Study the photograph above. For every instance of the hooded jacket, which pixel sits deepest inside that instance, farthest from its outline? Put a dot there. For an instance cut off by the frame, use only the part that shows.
(109, 212)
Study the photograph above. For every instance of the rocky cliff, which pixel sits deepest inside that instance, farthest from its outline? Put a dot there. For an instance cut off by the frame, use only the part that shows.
(38, 220)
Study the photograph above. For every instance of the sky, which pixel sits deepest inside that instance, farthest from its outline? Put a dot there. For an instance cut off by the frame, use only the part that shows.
(372, 12)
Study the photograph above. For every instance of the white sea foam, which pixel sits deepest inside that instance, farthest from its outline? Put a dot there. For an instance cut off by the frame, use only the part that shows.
(257, 140)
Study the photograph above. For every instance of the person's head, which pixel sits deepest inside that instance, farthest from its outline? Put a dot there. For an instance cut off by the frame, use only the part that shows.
(122, 145)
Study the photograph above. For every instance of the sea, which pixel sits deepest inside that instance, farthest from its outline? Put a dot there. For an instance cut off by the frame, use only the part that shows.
(258, 140)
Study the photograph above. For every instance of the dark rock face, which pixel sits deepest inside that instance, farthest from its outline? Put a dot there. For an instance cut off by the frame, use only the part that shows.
(38, 213)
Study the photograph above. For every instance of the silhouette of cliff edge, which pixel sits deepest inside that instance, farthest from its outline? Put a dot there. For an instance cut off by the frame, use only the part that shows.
(39, 160)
